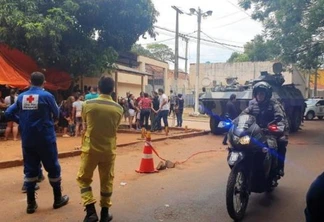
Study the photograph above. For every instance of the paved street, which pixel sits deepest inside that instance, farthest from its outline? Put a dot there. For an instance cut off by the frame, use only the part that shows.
(193, 191)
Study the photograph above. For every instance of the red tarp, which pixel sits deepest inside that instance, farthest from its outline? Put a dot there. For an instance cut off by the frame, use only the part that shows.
(16, 67)
(10, 76)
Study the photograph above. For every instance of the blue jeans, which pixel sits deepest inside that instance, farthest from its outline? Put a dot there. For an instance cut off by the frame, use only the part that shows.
(163, 114)
(179, 117)
(153, 122)
(145, 115)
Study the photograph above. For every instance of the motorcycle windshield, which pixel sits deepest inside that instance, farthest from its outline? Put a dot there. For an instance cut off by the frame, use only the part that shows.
(244, 125)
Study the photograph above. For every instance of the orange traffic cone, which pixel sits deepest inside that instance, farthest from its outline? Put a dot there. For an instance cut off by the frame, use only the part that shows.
(147, 164)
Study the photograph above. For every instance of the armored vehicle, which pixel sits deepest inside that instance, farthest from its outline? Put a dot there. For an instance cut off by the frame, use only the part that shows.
(214, 102)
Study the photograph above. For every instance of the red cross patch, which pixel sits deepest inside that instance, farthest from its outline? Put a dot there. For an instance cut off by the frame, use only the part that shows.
(30, 102)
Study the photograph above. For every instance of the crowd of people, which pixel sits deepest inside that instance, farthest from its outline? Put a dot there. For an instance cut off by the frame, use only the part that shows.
(151, 108)
(145, 111)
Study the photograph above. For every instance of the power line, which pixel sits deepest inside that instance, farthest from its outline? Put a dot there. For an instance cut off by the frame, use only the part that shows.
(225, 16)
(226, 46)
(206, 40)
(209, 43)
(231, 23)
(165, 40)
(239, 8)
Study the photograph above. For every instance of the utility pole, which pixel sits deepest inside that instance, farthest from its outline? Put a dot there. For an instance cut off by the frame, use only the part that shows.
(315, 82)
(176, 63)
(153, 80)
(186, 56)
(186, 39)
(253, 58)
(199, 14)
(198, 62)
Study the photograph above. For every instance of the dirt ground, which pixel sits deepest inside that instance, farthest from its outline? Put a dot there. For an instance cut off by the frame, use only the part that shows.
(193, 191)
(10, 150)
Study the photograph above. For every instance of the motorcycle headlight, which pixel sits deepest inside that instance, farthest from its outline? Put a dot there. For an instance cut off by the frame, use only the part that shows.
(245, 140)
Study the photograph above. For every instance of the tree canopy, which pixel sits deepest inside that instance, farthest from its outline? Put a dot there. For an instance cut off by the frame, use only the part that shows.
(78, 36)
(157, 51)
(296, 26)
(140, 50)
(259, 49)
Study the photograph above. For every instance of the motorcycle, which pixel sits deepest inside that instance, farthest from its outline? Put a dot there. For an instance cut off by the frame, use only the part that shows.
(224, 124)
(253, 162)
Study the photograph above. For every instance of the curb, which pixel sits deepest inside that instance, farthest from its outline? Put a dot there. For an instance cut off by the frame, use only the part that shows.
(20, 162)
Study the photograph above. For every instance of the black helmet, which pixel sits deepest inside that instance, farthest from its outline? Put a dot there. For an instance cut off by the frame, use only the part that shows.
(265, 87)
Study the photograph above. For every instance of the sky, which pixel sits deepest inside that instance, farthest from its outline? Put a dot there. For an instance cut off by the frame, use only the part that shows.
(228, 24)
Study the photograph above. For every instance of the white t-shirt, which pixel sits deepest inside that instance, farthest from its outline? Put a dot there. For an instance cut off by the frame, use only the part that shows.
(78, 108)
(163, 98)
(7, 100)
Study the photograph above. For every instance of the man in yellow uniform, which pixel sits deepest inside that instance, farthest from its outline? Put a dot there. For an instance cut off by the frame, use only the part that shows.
(101, 118)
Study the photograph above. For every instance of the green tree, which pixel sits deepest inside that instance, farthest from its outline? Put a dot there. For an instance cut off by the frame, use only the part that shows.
(258, 49)
(78, 36)
(292, 25)
(161, 52)
(157, 51)
(140, 50)
(238, 57)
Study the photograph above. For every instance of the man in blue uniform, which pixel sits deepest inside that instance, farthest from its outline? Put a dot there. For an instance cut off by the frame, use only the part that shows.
(35, 111)
(314, 200)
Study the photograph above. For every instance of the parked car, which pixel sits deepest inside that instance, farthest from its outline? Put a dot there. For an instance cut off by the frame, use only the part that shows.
(314, 108)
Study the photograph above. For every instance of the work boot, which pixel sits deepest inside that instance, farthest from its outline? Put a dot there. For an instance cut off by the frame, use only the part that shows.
(59, 200)
(91, 213)
(105, 216)
(31, 202)
(24, 188)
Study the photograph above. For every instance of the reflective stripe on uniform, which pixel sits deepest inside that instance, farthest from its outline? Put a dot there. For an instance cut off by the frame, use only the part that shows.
(54, 180)
(86, 189)
(32, 179)
(105, 194)
(104, 102)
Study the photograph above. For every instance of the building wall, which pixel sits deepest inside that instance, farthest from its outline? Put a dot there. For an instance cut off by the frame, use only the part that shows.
(300, 81)
(182, 82)
(132, 83)
(128, 87)
(156, 67)
(126, 83)
(245, 71)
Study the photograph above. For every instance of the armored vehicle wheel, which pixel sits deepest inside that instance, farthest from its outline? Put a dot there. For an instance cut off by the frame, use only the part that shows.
(213, 123)
(201, 108)
(320, 117)
(296, 121)
(310, 115)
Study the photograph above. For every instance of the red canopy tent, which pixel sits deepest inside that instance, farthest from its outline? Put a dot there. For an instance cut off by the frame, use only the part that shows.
(16, 68)
(10, 76)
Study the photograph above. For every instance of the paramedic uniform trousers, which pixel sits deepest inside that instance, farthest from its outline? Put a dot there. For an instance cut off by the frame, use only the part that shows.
(47, 154)
(105, 163)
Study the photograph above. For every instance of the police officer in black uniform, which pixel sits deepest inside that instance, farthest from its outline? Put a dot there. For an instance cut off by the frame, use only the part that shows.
(268, 111)
(231, 112)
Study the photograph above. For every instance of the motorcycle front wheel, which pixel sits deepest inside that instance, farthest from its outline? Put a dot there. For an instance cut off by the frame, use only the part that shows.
(237, 194)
